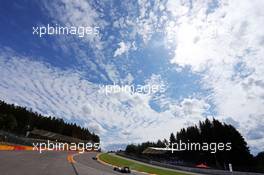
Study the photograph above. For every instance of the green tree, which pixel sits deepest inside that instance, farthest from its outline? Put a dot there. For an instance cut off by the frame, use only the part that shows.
(172, 138)
(19, 120)
(2, 120)
(10, 122)
(259, 160)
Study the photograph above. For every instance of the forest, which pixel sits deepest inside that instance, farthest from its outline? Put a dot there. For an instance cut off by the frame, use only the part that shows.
(19, 120)
(206, 132)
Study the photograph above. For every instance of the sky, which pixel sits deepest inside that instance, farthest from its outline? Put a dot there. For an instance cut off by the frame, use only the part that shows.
(207, 54)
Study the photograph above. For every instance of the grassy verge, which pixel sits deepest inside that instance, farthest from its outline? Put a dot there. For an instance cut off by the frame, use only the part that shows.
(118, 161)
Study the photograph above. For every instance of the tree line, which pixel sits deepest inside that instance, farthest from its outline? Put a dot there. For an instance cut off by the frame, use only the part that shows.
(207, 132)
(19, 120)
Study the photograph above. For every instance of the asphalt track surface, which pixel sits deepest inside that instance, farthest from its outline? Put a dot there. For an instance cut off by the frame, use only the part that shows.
(51, 163)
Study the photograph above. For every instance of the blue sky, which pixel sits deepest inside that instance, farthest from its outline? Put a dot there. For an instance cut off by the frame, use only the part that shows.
(208, 54)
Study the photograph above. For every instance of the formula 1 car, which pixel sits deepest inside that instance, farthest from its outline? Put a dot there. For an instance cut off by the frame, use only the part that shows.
(122, 169)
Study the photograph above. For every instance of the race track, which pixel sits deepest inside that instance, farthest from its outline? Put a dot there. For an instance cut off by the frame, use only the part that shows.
(51, 163)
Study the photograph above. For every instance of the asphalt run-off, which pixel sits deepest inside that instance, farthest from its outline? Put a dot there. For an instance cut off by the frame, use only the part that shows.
(52, 163)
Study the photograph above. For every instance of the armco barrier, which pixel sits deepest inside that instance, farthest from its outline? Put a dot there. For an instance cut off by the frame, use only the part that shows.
(190, 169)
(7, 147)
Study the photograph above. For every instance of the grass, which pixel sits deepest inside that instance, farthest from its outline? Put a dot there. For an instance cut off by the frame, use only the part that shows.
(120, 162)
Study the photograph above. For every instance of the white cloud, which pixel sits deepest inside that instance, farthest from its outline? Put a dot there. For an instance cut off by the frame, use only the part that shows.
(192, 109)
(95, 127)
(178, 8)
(123, 48)
(128, 79)
(144, 24)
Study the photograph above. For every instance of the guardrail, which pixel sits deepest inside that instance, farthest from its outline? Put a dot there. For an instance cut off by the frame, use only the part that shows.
(190, 169)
